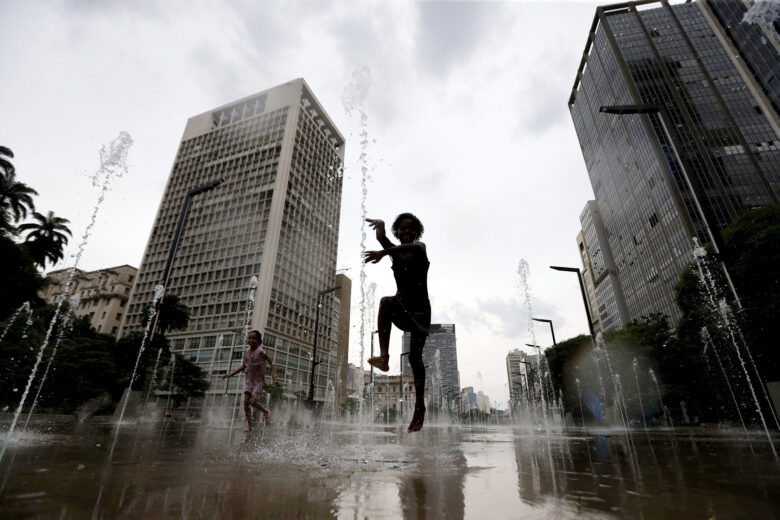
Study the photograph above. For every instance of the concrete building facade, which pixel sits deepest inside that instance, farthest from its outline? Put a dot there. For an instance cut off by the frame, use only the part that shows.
(103, 294)
(716, 79)
(273, 222)
(517, 377)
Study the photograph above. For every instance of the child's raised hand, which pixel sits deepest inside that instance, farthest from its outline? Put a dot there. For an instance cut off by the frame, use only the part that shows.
(378, 226)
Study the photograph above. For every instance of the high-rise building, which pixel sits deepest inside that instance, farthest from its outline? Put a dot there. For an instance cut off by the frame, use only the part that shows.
(517, 377)
(440, 357)
(273, 221)
(102, 294)
(603, 290)
(716, 79)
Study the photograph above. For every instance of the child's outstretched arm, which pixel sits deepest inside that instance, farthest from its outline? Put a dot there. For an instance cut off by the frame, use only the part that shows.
(236, 371)
(273, 367)
(379, 226)
(376, 256)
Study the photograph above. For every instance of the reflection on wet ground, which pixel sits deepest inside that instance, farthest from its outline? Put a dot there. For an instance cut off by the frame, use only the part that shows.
(63, 470)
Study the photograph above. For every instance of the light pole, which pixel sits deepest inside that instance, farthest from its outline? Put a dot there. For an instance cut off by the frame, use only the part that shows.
(582, 290)
(314, 361)
(140, 380)
(175, 244)
(552, 331)
(663, 116)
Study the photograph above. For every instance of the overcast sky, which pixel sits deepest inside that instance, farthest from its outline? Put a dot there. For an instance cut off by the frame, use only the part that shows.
(467, 120)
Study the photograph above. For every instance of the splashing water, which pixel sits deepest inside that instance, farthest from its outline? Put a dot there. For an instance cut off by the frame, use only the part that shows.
(354, 100)
(523, 271)
(159, 291)
(635, 365)
(113, 163)
(721, 310)
(660, 399)
(25, 307)
(709, 346)
(765, 14)
(65, 326)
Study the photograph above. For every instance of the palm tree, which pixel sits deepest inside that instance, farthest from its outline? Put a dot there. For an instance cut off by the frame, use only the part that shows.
(46, 238)
(174, 315)
(15, 197)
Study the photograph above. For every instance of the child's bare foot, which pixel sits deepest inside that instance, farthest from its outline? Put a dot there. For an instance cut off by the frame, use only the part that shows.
(380, 362)
(248, 429)
(417, 420)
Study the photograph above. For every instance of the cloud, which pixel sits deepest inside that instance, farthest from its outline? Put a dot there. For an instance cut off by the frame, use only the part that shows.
(449, 32)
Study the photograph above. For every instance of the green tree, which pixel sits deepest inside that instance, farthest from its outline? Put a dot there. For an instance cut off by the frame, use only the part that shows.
(189, 380)
(15, 197)
(46, 237)
(753, 256)
(21, 279)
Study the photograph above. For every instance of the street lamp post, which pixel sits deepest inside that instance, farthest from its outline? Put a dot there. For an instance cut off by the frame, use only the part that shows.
(175, 243)
(582, 290)
(314, 361)
(552, 331)
(663, 116)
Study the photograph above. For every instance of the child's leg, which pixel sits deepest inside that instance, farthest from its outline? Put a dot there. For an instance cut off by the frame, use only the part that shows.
(248, 410)
(418, 370)
(256, 403)
(384, 323)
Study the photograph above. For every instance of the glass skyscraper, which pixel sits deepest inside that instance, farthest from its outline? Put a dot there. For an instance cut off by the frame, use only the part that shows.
(275, 217)
(722, 118)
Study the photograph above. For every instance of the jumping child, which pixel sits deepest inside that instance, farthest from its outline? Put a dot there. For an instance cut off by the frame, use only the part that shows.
(409, 309)
(254, 363)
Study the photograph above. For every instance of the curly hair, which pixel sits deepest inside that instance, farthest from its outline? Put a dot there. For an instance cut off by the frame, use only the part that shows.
(415, 222)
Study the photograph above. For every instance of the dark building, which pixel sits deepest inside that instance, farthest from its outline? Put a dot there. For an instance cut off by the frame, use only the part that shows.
(717, 142)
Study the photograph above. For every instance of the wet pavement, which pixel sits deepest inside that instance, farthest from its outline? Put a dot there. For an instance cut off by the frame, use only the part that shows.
(64, 469)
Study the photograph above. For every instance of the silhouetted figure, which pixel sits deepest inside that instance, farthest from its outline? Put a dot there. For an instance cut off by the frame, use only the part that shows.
(409, 309)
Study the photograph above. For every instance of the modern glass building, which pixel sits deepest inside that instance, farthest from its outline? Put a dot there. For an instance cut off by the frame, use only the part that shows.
(274, 219)
(440, 356)
(722, 149)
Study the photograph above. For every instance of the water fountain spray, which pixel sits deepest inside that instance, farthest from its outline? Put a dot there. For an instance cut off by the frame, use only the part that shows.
(722, 312)
(25, 307)
(113, 163)
(65, 326)
(354, 99)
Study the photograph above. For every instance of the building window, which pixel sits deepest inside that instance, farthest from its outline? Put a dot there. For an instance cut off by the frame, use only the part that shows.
(119, 316)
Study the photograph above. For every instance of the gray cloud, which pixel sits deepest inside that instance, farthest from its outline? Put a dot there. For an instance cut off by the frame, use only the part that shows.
(450, 31)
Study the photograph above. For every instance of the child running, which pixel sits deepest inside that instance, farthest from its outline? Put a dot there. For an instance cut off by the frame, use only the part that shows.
(254, 363)
(409, 309)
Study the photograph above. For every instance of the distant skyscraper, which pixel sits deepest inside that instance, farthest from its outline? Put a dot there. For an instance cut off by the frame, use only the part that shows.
(275, 217)
(605, 295)
(445, 380)
(717, 79)
(517, 376)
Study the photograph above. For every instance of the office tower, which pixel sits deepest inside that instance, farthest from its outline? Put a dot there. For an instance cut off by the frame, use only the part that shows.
(344, 300)
(517, 376)
(275, 217)
(661, 178)
(605, 295)
(102, 294)
(440, 357)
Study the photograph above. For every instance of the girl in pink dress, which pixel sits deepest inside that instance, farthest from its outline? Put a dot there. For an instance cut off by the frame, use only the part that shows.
(254, 364)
